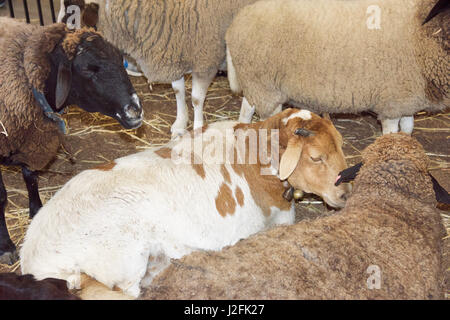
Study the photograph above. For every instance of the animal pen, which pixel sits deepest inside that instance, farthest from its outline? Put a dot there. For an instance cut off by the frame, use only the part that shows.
(39, 8)
(95, 139)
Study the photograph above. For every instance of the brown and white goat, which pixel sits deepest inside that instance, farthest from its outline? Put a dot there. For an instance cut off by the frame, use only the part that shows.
(123, 222)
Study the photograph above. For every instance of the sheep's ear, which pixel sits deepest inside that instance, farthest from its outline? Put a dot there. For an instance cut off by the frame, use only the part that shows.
(290, 158)
(440, 6)
(442, 195)
(63, 84)
(90, 15)
(326, 116)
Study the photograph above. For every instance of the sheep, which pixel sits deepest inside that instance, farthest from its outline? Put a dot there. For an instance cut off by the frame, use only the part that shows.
(202, 192)
(15, 287)
(330, 56)
(43, 70)
(169, 39)
(385, 244)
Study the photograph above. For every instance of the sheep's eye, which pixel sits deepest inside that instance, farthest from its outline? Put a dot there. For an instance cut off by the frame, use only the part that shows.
(93, 68)
(316, 160)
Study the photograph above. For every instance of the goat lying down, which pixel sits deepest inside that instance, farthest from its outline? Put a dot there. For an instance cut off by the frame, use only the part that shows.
(121, 223)
(385, 244)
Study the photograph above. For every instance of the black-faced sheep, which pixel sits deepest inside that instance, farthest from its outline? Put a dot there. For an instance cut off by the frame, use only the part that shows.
(121, 221)
(171, 38)
(343, 57)
(385, 244)
(43, 70)
(15, 287)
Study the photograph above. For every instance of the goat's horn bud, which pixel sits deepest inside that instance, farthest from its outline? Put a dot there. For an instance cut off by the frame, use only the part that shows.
(303, 132)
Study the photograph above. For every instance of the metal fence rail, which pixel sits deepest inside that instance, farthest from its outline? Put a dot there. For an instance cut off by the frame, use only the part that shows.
(27, 12)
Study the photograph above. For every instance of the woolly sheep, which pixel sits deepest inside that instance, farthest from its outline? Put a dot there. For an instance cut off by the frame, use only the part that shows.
(326, 55)
(385, 244)
(119, 221)
(43, 70)
(171, 38)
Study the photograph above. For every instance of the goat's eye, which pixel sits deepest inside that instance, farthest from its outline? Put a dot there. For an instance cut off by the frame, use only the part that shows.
(317, 160)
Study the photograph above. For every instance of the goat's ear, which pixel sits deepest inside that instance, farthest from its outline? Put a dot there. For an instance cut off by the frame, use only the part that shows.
(290, 158)
(63, 83)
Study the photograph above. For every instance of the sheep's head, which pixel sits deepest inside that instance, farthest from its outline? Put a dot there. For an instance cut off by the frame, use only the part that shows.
(90, 74)
(395, 147)
(397, 162)
(400, 161)
(313, 155)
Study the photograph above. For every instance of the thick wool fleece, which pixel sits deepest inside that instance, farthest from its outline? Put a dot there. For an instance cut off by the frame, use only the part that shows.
(170, 38)
(389, 223)
(322, 55)
(29, 137)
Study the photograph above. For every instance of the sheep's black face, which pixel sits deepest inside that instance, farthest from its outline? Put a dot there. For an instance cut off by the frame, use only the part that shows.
(101, 84)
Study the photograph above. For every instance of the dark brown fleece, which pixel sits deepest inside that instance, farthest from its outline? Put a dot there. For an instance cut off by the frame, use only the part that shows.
(29, 137)
(15, 287)
(389, 221)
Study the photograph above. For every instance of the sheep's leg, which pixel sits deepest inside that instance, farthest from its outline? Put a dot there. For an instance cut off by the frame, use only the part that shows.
(200, 84)
(266, 101)
(31, 180)
(390, 125)
(407, 124)
(277, 110)
(180, 124)
(8, 254)
(62, 12)
(247, 112)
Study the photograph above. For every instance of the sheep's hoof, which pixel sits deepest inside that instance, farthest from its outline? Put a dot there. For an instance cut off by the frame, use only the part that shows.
(34, 208)
(9, 258)
(8, 252)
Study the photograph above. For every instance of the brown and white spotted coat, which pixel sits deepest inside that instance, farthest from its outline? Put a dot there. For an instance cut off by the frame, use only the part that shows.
(121, 223)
